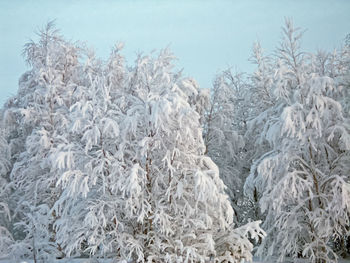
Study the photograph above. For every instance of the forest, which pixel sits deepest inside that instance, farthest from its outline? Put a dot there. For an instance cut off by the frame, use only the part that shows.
(137, 163)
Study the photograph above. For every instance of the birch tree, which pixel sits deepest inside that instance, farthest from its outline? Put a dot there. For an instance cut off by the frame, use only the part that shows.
(139, 181)
(6, 237)
(304, 178)
(37, 119)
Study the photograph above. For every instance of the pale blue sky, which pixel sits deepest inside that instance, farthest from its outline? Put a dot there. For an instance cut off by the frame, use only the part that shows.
(206, 36)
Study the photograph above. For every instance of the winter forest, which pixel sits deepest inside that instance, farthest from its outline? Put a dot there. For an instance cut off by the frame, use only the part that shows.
(137, 163)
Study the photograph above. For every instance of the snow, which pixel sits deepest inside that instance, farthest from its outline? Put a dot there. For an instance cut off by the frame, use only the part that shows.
(76, 260)
(87, 260)
(119, 160)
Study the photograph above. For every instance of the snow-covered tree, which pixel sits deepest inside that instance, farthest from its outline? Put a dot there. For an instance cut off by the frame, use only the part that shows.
(89, 207)
(232, 132)
(304, 179)
(231, 107)
(36, 119)
(261, 102)
(221, 138)
(6, 238)
(135, 176)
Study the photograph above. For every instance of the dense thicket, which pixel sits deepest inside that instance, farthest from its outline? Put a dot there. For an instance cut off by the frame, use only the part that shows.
(304, 177)
(103, 159)
(294, 121)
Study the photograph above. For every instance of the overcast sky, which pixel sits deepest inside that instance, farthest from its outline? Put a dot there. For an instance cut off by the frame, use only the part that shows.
(206, 36)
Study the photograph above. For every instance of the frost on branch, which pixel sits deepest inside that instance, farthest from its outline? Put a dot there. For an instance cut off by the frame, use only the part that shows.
(151, 193)
(304, 179)
(36, 121)
(109, 160)
(6, 238)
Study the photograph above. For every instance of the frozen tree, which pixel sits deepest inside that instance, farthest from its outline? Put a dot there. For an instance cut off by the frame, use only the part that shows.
(233, 126)
(103, 159)
(261, 102)
(233, 103)
(37, 118)
(261, 94)
(135, 176)
(6, 238)
(221, 138)
(231, 130)
(89, 207)
(344, 66)
(304, 179)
